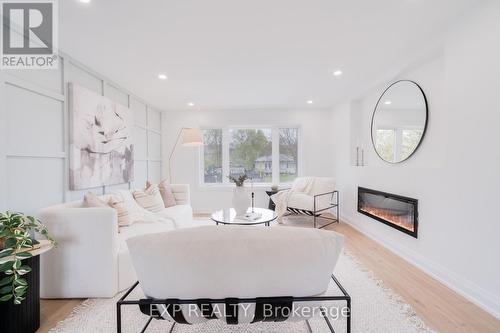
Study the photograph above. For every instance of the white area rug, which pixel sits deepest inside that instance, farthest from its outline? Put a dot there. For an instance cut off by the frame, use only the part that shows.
(375, 309)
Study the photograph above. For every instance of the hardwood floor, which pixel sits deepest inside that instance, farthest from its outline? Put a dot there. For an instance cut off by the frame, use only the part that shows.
(441, 308)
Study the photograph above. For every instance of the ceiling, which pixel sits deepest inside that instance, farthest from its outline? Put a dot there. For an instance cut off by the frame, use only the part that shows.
(235, 54)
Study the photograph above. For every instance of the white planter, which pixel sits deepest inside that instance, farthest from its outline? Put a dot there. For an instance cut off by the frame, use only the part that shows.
(241, 200)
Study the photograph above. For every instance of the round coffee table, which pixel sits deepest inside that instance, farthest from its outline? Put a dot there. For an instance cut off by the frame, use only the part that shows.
(228, 216)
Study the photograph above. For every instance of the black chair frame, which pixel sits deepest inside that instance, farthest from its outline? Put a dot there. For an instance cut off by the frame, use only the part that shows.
(318, 213)
(148, 303)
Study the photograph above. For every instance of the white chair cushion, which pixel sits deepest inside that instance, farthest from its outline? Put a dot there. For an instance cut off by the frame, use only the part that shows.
(301, 201)
(306, 201)
(322, 185)
(235, 261)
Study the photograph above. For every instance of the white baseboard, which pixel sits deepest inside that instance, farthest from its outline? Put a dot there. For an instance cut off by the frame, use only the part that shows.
(464, 287)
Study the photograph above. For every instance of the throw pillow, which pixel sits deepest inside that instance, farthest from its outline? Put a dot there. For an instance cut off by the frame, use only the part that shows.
(150, 199)
(167, 194)
(123, 211)
(92, 200)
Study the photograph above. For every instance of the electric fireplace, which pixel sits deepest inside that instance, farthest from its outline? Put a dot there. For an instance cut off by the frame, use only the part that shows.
(394, 210)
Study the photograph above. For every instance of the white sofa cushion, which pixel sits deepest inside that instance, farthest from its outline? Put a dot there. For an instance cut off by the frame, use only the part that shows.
(89, 242)
(126, 272)
(178, 213)
(235, 261)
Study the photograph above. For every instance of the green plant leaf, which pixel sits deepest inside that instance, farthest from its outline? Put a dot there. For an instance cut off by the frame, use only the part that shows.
(6, 289)
(6, 280)
(24, 255)
(11, 242)
(20, 290)
(23, 270)
(6, 253)
(21, 282)
(5, 298)
(17, 264)
(6, 266)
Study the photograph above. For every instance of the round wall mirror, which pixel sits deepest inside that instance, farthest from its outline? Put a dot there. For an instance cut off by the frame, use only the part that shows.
(399, 121)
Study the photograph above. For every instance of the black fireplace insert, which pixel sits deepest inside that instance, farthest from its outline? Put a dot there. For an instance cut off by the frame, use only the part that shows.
(394, 210)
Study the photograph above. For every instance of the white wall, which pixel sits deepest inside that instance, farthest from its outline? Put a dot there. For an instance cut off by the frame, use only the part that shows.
(316, 149)
(34, 135)
(455, 172)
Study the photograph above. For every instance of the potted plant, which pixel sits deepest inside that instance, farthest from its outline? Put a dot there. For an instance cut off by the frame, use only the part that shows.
(241, 199)
(16, 242)
(20, 271)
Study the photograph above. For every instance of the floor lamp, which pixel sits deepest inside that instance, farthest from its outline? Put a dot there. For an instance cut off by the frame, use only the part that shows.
(191, 137)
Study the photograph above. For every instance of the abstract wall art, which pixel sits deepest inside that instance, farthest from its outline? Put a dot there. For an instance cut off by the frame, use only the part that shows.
(102, 152)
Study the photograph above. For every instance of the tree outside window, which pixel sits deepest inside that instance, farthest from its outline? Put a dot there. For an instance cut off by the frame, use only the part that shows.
(249, 151)
(289, 151)
(212, 155)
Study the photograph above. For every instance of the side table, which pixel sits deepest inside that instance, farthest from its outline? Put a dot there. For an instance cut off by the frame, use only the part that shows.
(271, 205)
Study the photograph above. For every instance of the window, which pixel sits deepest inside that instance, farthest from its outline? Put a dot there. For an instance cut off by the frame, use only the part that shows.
(250, 153)
(386, 143)
(397, 144)
(289, 150)
(212, 156)
(410, 139)
(265, 154)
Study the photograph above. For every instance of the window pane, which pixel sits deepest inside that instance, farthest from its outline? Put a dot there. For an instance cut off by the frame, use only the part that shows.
(409, 142)
(289, 149)
(212, 154)
(386, 143)
(250, 153)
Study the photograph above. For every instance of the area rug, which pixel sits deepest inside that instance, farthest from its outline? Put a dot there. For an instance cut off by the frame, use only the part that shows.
(375, 309)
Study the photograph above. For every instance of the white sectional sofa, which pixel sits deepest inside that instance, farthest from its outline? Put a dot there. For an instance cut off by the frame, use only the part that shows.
(92, 257)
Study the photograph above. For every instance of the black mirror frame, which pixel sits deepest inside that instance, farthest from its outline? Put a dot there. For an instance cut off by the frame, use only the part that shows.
(425, 126)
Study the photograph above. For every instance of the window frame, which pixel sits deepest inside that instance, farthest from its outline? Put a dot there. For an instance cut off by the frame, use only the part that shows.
(225, 155)
(398, 137)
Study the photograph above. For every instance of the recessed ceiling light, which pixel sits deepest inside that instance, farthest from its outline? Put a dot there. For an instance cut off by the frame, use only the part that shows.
(309, 102)
(190, 104)
(338, 72)
(162, 76)
(388, 102)
(84, 1)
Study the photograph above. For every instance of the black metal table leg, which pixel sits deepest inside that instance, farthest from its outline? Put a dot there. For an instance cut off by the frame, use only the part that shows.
(348, 316)
(118, 318)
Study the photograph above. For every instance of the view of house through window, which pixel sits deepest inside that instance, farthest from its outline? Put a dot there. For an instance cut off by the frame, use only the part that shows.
(249, 151)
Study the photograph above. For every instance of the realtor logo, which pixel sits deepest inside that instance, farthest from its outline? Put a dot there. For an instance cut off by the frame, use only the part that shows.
(29, 34)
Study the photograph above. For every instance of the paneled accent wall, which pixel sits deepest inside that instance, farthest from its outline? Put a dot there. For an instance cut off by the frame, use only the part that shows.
(34, 135)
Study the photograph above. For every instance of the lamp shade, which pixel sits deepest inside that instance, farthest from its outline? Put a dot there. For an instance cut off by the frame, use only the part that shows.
(192, 137)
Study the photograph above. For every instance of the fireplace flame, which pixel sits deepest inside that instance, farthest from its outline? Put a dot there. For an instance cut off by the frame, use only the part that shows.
(403, 220)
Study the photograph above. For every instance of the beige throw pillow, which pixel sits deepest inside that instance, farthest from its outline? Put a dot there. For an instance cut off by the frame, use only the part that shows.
(92, 200)
(122, 210)
(150, 199)
(167, 194)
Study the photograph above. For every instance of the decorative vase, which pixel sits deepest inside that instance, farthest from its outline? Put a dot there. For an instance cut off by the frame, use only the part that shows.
(241, 200)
